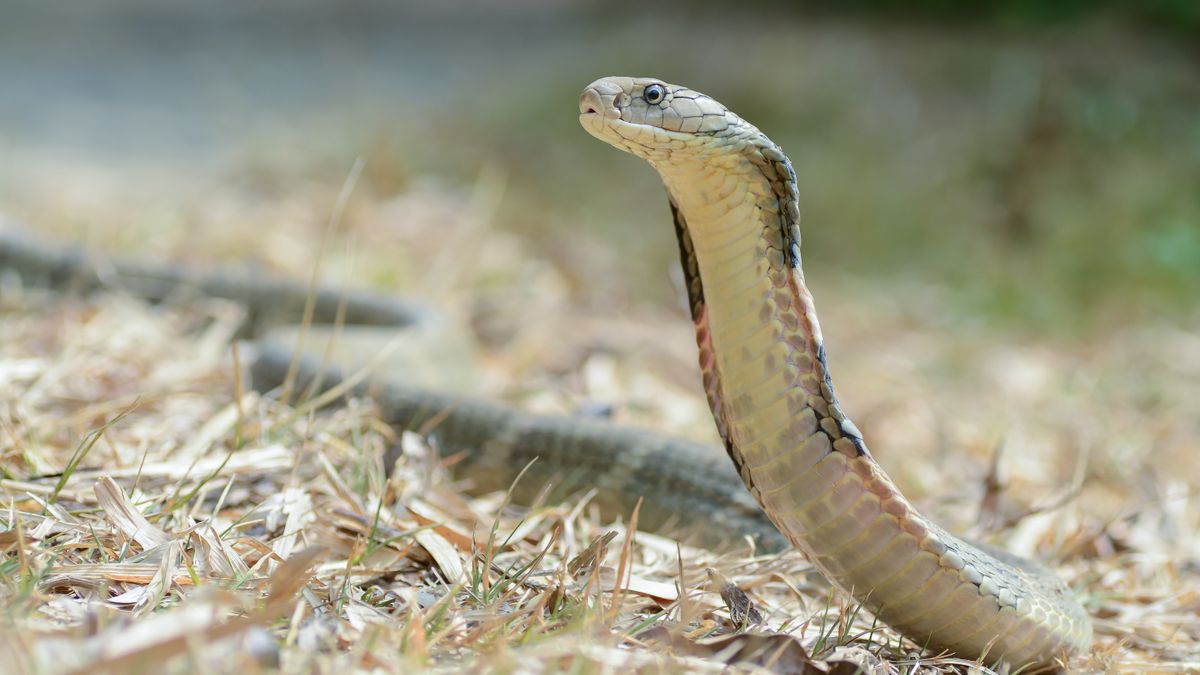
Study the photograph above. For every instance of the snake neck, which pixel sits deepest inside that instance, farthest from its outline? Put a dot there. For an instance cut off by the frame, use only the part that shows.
(761, 351)
(758, 318)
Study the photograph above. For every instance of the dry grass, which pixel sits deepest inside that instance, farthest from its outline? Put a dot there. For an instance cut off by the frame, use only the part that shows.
(158, 516)
(152, 514)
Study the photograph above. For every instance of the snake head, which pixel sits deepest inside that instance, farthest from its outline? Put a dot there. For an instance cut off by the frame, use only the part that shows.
(651, 118)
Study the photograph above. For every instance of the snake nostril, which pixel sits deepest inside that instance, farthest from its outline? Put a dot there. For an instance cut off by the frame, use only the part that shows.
(591, 109)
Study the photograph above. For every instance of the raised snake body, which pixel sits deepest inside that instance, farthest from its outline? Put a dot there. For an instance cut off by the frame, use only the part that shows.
(734, 197)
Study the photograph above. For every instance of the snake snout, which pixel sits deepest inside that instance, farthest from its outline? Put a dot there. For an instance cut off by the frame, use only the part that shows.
(592, 102)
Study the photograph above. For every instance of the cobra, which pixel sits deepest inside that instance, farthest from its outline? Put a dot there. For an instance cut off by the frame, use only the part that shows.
(734, 198)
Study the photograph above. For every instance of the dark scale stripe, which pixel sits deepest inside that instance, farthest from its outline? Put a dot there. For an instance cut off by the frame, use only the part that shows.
(825, 372)
(687, 259)
(830, 397)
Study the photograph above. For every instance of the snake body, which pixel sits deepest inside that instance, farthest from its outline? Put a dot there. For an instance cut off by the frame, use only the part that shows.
(734, 197)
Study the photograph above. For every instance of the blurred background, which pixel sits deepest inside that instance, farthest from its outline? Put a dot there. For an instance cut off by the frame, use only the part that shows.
(1037, 162)
(1001, 204)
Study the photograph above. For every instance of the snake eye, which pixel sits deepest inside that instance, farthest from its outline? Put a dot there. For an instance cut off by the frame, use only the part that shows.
(654, 93)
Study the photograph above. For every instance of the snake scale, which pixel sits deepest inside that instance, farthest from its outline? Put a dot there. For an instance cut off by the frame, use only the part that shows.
(734, 198)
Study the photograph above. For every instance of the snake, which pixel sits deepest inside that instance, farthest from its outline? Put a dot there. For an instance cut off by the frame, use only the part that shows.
(735, 201)
(801, 473)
